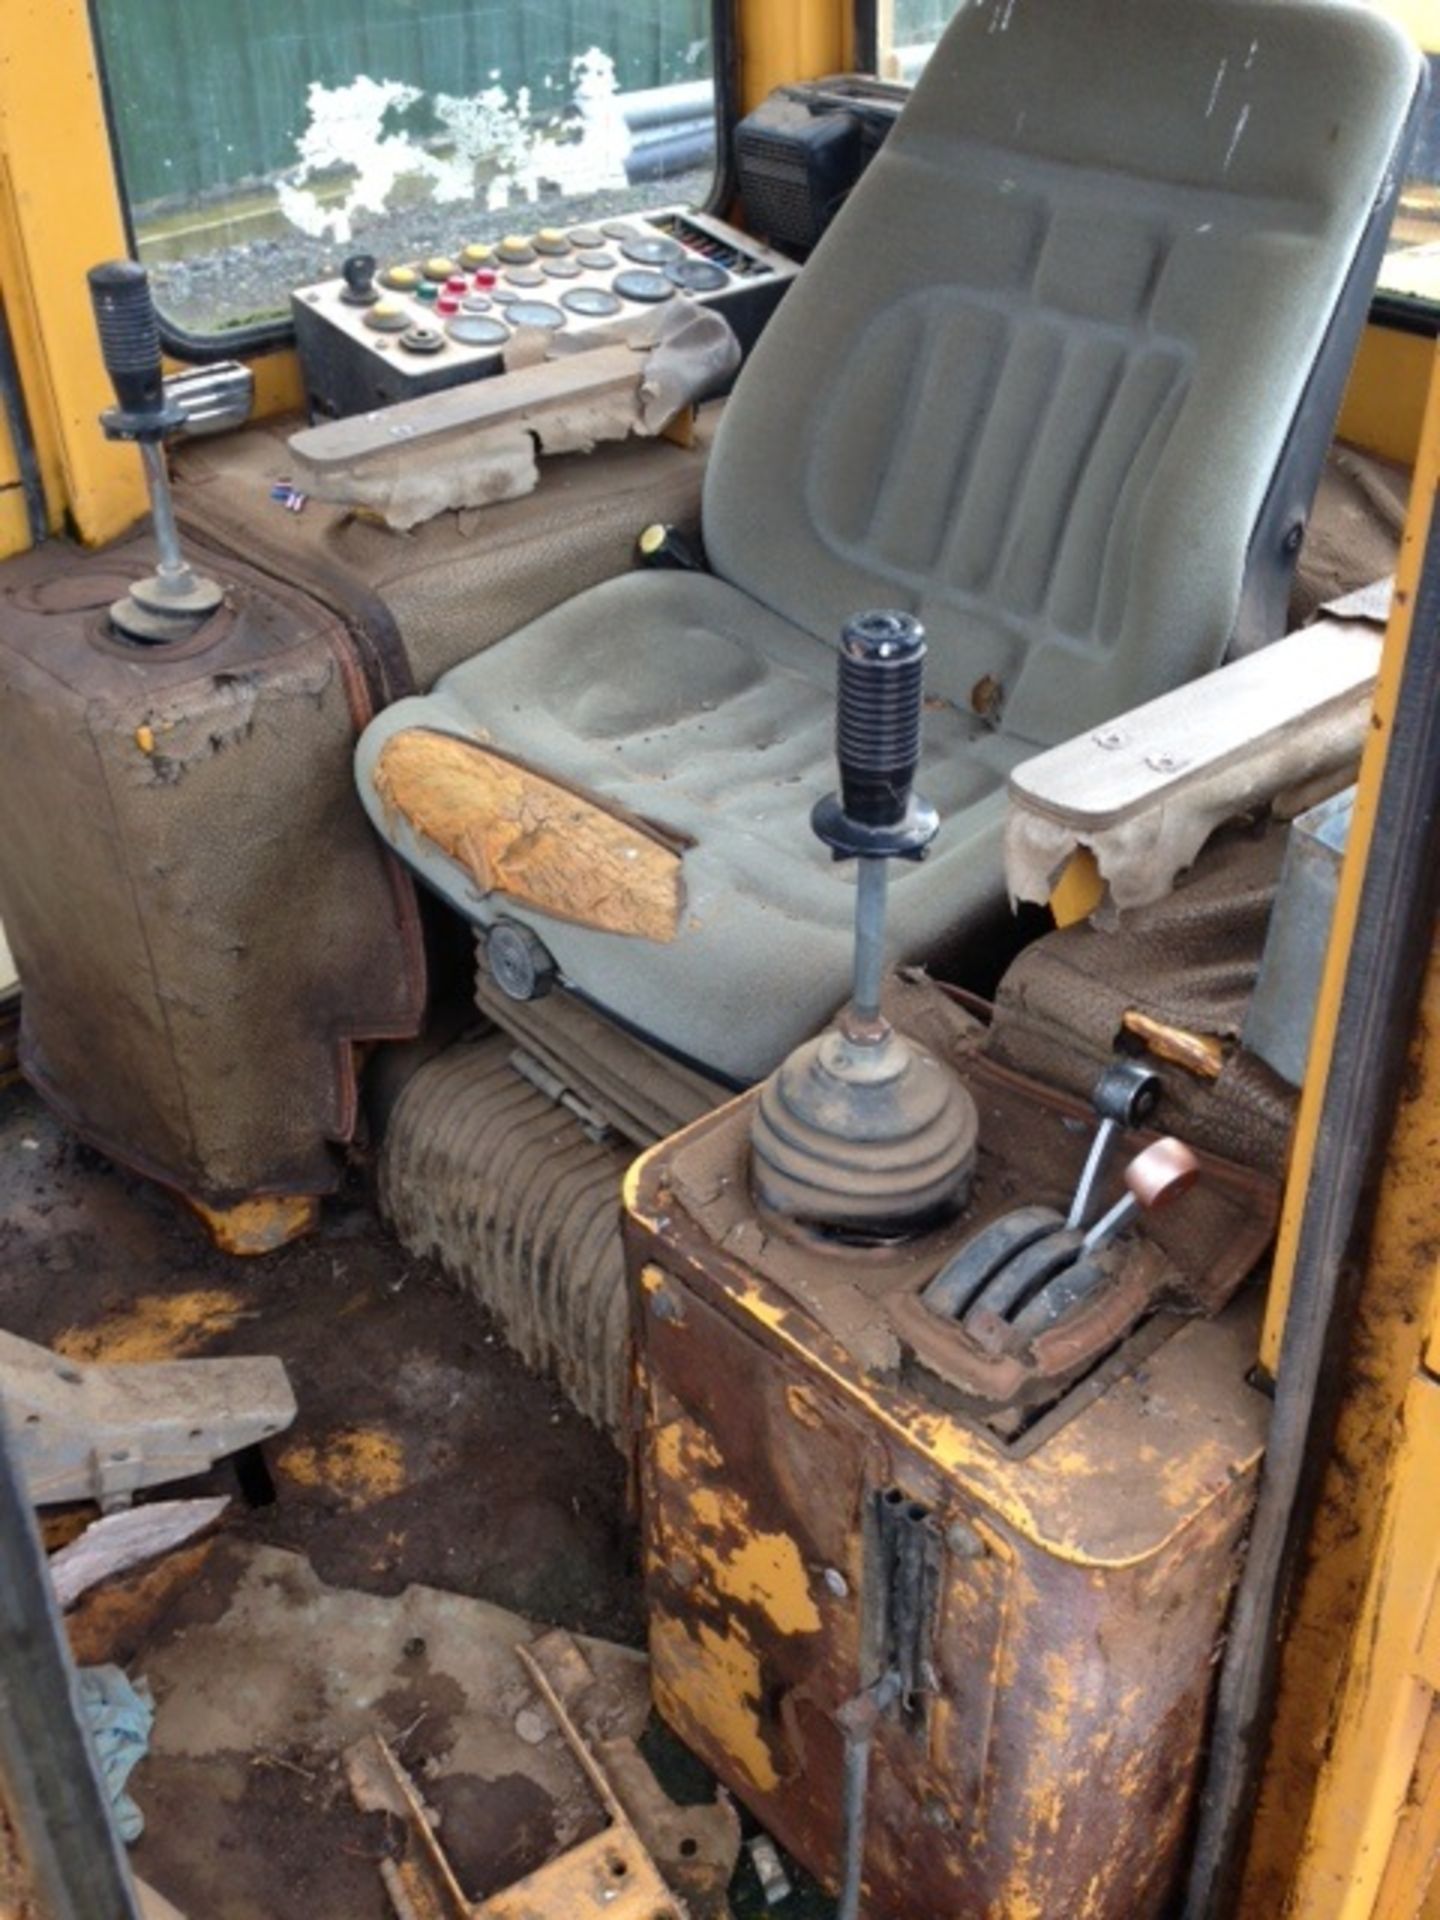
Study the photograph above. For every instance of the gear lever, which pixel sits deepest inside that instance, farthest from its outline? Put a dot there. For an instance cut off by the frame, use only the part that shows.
(1125, 1096)
(862, 1132)
(174, 600)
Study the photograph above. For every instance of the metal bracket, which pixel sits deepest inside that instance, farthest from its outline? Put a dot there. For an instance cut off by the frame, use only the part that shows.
(103, 1432)
(611, 1876)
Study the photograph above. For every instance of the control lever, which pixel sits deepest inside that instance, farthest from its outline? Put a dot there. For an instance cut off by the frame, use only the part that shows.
(861, 1132)
(1165, 1170)
(358, 273)
(1028, 1269)
(1125, 1096)
(174, 600)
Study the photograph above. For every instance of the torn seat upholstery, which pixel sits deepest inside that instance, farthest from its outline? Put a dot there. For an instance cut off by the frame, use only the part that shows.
(1058, 380)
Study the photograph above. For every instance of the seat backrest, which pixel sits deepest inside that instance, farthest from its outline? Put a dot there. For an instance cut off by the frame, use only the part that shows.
(1038, 381)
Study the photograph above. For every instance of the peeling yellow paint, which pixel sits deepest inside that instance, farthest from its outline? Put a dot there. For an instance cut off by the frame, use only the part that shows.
(360, 1465)
(156, 1326)
(766, 1570)
(712, 1681)
(714, 1527)
(683, 1452)
(805, 1406)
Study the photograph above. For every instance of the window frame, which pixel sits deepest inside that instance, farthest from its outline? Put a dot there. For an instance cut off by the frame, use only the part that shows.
(275, 336)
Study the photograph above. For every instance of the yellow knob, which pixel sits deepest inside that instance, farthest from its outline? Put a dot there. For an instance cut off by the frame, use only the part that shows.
(515, 243)
(552, 236)
(477, 256)
(652, 539)
(439, 268)
(401, 278)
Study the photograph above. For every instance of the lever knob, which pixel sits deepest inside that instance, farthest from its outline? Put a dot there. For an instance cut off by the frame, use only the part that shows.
(877, 736)
(358, 273)
(129, 331)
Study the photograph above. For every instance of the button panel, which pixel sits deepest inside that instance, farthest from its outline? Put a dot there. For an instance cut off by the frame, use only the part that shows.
(447, 317)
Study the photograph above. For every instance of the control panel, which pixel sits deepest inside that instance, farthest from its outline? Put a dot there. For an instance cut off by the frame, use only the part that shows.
(380, 334)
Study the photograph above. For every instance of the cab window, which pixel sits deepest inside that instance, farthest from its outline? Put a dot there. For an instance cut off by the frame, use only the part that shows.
(905, 33)
(260, 145)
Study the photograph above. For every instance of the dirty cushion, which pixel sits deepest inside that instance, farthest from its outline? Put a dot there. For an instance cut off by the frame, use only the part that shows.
(677, 697)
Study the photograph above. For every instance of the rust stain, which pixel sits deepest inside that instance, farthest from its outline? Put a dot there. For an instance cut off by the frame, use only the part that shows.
(518, 833)
(258, 1226)
(156, 1327)
(360, 1465)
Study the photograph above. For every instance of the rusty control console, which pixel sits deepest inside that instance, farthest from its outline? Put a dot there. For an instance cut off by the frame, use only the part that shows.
(940, 1524)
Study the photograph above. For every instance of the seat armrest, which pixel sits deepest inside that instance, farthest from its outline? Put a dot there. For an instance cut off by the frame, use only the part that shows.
(431, 424)
(1143, 792)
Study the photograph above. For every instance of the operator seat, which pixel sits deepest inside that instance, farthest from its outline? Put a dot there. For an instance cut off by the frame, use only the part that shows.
(1058, 380)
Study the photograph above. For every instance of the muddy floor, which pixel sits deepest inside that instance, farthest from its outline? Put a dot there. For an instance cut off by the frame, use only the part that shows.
(424, 1456)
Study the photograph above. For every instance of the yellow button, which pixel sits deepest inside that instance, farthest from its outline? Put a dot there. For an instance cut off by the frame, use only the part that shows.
(516, 243)
(552, 236)
(652, 539)
(477, 256)
(402, 279)
(437, 267)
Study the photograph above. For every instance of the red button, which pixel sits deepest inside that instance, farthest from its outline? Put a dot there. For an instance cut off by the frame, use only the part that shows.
(457, 283)
(486, 277)
(448, 303)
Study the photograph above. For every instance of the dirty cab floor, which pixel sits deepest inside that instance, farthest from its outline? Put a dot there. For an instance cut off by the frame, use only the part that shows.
(424, 1457)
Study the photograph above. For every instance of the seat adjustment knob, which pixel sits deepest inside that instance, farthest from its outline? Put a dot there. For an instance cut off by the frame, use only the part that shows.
(520, 963)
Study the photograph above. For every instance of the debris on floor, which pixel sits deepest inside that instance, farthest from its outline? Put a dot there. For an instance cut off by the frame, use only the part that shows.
(614, 1872)
(94, 1431)
(265, 1678)
(119, 1541)
(119, 1714)
(769, 1869)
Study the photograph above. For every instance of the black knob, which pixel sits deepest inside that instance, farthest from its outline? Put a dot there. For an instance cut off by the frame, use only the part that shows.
(358, 274)
(1127, 1093)
(877, 736)
(129, 339)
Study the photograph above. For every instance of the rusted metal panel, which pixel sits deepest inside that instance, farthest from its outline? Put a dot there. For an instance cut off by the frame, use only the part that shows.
(1049, 1766)
(205, 923)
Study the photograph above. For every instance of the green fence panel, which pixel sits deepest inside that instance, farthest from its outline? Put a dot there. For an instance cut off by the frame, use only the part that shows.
(210, 95)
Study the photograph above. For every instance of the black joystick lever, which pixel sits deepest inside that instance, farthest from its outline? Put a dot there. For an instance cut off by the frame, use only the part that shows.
(172, 602)
(876, 816)
(861, 1132)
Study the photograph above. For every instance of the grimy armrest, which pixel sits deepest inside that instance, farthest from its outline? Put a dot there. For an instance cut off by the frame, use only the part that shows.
(521, 396)
(1143, 792)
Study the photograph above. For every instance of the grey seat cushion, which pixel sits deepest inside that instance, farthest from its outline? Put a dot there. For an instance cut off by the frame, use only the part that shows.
(674, 695)
(1034, 385)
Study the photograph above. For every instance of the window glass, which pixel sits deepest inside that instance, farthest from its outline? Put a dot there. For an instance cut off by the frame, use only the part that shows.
(907, 31)
(263, 140)
(1412, 260)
